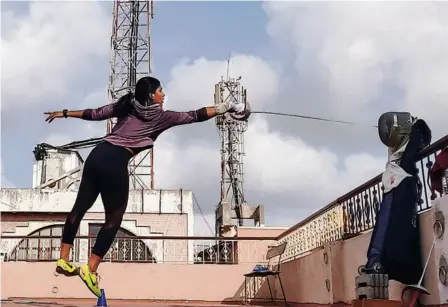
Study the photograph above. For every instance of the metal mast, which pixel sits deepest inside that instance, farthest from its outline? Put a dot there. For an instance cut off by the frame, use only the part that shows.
(131, 60)
(232, 203)
(232, 148)
(232, 144)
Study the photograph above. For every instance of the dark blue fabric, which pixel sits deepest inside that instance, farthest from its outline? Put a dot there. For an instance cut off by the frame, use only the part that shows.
(395, 242)
(374, 251)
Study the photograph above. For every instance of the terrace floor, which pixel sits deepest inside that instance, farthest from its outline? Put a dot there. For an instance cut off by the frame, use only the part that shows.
(93, 302)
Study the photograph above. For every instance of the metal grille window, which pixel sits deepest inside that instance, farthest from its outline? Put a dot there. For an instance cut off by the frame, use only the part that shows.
(39, 249)
(123, 249)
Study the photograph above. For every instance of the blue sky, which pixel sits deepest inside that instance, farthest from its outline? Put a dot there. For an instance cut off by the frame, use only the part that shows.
(214, 29)
(324, 59)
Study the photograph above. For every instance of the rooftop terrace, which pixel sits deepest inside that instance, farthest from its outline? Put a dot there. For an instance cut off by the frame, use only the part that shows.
(319, 265)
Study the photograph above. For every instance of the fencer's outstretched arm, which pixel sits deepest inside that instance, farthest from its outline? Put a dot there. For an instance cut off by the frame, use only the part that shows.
(105, 112)
(174, 118)
(60, 114)
(211, 112)
(101, 113)
(183, 118)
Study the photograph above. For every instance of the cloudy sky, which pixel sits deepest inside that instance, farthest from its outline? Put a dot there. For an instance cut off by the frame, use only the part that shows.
(344, 60)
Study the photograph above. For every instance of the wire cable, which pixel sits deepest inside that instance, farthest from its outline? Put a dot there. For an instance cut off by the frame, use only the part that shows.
(311, 117)
(203, 216)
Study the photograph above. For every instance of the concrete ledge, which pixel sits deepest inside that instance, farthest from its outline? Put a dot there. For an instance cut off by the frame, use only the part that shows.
(376, 303)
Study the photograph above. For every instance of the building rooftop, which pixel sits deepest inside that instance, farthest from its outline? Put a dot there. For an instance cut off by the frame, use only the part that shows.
(93, 302)
(319, 264)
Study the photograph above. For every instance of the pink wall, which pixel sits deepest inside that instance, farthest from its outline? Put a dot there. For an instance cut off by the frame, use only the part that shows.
(128, 281)
(260, 232)
(255, 251)
(324, 275)
(305, 278)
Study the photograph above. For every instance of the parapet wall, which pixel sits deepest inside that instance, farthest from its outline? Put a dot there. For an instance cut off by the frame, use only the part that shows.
(324, 275)
(205, 282)
(327, 274)
(140, 201)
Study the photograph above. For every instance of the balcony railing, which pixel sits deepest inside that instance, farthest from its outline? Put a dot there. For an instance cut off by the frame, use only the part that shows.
(354, 212)
(178, 250)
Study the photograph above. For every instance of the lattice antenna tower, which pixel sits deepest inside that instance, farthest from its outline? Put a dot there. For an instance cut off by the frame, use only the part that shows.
(232, 146)
(131, 60)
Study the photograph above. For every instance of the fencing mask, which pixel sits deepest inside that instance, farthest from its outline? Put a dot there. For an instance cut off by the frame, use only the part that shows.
(394, 128)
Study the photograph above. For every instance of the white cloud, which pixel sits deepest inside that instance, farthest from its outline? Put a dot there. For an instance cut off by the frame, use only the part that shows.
(97, 98)
(355, 50)
(70, 130)
(344, 55)
(192, 87)
(183, 166)
(274, 163)
(47, 48)
(283, 164)
(192, 84)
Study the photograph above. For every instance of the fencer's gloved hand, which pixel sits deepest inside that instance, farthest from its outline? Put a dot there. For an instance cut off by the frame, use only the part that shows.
(236, 107)
(232, 106)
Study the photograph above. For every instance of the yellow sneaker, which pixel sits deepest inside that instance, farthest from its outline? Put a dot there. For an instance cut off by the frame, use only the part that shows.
(66, 268)
(90, 279)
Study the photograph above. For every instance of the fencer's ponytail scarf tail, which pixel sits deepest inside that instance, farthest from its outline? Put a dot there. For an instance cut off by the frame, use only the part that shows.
(127, 98)
(125, 103)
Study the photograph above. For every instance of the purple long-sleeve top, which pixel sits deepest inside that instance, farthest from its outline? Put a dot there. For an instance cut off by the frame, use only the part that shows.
(138, 127)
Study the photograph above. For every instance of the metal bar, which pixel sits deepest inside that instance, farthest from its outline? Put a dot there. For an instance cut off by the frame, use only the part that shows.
(73, 171)
(151, 238)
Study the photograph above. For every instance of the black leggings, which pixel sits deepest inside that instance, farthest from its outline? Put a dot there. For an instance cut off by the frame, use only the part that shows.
(106, 173)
